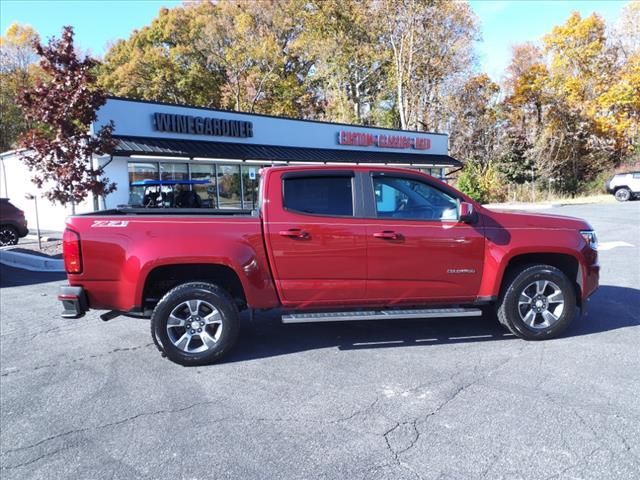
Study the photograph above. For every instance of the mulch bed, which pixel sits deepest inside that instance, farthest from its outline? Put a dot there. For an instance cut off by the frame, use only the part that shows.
(49, 249)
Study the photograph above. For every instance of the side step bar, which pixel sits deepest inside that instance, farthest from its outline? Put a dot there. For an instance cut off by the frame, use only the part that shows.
(380, 315)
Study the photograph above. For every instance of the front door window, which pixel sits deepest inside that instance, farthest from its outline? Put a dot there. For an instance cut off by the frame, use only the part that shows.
(405, 198)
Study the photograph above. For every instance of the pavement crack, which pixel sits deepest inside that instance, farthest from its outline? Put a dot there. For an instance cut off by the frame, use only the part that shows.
(386, 439)
(583, 460)
(6, 373)
(396, 452)
(414, 436)
(357, 412)
(110, 424)
(37, 459)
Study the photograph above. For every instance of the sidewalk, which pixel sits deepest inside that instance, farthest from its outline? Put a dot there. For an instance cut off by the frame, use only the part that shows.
(521, 206)
(45, 236)
(543, 205)
(28, 256)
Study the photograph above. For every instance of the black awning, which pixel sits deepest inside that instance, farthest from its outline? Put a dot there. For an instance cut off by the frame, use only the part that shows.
(128, 146)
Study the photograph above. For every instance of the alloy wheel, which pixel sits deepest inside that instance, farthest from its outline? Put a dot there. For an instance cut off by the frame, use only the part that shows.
(541, 304)
(194, 326)
(8, 236)
(623, 195)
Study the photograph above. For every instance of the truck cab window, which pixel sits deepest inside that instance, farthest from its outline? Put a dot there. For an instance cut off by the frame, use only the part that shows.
(405, 198)
(332, 196)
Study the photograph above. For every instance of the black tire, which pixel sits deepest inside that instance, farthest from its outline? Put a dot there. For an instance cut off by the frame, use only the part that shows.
(510, 311)
(8, 235)
(208, 295)
(623, 194)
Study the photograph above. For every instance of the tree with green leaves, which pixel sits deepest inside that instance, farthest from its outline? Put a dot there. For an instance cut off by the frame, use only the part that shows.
(256, 45)
(429, 46)
(350, 67)
(161, 62)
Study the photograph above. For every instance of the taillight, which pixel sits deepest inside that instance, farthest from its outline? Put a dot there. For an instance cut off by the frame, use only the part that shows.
(71, 252)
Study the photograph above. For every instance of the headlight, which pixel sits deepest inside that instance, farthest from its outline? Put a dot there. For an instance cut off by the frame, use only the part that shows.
(590, 237)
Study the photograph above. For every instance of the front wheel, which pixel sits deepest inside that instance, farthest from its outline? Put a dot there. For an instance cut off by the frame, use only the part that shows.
(195, 323)
(623, 194)
(538, 303)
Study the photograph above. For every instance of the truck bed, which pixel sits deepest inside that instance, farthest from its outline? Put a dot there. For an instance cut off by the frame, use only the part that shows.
(121, 248)
(170, 211)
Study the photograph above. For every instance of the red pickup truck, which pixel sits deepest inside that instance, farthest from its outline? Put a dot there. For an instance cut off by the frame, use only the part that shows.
(328, 244)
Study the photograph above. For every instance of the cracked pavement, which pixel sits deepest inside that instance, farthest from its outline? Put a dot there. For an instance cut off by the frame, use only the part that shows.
(438, 399)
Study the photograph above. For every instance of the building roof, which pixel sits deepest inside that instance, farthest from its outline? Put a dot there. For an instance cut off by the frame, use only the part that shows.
(128, 145)
(263, 115)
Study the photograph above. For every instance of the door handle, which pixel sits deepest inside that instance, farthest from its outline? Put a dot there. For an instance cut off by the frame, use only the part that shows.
(295, 233)
(388, 235)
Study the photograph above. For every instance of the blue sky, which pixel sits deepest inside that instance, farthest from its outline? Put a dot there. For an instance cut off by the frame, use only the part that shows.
(99, 22)
(508, 22)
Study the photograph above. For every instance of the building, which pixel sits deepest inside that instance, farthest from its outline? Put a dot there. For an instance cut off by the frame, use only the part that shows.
(223, 150)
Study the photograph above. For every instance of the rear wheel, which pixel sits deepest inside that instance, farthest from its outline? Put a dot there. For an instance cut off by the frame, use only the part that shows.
(623, 194)
(538, 303)
(195, 323)
(8, 235)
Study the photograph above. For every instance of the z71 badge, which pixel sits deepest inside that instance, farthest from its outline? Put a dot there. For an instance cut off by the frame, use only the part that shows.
(110, 223)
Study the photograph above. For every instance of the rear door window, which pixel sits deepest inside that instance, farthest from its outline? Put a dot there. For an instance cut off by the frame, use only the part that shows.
(318, 195)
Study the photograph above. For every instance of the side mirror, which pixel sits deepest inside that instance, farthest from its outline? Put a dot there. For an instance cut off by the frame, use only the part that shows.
(466, 213)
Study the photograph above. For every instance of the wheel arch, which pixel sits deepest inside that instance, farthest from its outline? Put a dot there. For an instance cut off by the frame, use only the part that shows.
(163, 278)
(566, 263)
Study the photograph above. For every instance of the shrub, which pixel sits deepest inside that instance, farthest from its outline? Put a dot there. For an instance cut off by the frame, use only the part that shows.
(481, 182)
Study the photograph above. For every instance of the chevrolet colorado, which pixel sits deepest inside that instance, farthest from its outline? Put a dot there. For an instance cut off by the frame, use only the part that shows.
(328, 244)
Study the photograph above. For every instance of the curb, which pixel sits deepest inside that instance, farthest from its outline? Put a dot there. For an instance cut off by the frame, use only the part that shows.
(35, 263)
(44, 238)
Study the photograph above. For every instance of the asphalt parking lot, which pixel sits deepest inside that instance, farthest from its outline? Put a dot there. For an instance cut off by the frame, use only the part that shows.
(445, 399)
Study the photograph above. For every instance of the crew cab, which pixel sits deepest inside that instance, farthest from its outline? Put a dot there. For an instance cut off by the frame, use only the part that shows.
(328, 244)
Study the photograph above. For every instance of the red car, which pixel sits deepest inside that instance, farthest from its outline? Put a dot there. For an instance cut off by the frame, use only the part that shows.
(13, 224)
(328, 244)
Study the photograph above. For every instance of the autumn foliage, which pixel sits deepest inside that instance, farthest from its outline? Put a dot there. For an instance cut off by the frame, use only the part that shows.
(572, 104)
(59, 147)
(564, 115)
(18, 71)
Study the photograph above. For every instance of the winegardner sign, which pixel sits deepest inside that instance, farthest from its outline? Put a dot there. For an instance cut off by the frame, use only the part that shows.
(169, 122)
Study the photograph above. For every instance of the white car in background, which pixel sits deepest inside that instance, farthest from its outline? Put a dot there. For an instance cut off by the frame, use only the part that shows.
(624, 186)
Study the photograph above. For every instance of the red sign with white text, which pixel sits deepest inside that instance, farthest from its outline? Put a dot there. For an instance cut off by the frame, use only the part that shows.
(360, 139)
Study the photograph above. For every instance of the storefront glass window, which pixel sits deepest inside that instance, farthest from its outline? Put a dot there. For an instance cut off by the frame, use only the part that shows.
(250, 178)
(174, 171)
(207, 192)
(229, 186)
(140, 171)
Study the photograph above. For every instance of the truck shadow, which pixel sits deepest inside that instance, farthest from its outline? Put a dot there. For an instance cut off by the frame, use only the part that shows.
(17, 277)
(610, 308)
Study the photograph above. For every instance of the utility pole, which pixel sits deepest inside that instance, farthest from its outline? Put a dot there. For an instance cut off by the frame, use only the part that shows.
(30, 196)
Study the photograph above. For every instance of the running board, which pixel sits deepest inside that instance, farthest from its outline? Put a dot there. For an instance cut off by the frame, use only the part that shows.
(380, 315)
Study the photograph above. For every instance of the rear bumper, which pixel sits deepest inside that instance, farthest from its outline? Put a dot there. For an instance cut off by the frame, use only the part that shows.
(74, 301)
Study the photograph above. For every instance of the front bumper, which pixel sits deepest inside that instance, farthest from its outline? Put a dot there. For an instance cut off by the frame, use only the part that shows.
(607, 187)
(74, 301)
